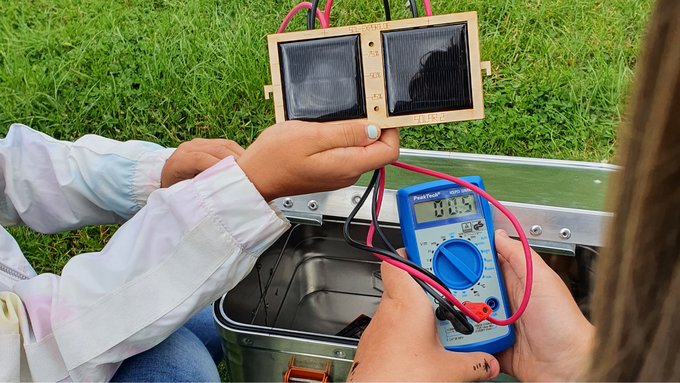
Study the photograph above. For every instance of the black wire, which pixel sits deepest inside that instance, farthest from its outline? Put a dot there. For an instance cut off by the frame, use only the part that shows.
(311, 14)
(414, 8)
(374, 215)
(459, 321)
(443, 302)
(386, 4)
(466, 327)
(377, 250)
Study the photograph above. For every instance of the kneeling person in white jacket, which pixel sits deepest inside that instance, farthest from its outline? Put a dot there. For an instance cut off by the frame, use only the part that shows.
(179, 249)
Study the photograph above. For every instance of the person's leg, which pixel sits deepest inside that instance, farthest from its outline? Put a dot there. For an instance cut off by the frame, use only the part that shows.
(203, 326)
(182, 357)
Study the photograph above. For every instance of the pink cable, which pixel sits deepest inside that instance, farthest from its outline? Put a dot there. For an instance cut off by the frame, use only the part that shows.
(327, 11)
(428, 280)
(428, 7)
(371, 229)
(407, 268)
(296, 9)
(324, 19)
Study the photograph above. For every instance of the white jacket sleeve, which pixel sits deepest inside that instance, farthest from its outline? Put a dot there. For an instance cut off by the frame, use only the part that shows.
(53, 186)
(189, 245)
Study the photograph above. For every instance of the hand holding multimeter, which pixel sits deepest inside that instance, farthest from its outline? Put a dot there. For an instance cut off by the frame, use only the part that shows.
(447, 229)
(448, 233)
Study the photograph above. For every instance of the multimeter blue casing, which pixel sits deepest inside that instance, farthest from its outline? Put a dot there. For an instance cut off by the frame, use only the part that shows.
(456, 243)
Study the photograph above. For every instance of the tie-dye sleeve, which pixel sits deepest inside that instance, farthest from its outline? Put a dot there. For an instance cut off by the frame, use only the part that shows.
(190, 244)
(53, 186)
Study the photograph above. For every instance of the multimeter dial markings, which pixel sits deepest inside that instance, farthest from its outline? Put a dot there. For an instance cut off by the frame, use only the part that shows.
(475, 283)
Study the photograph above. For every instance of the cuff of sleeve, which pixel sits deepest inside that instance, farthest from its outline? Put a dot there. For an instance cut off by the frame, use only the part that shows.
(147, 177)
(235, 202)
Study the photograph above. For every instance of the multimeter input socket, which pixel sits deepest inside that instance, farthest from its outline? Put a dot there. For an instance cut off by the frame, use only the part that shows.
(463, 328)
(493, 303)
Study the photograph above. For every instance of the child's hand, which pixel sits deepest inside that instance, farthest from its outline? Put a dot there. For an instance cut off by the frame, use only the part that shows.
(553, 339)
(401, 342)
(297, 157)
(193, 157)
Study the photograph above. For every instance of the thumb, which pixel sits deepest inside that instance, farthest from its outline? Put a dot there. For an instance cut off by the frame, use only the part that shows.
(398, 283)
(509, 250)
(348, 134)
(511, 256)
(469, 367)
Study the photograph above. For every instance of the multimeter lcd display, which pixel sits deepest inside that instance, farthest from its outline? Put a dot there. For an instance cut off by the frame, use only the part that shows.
(445, 208)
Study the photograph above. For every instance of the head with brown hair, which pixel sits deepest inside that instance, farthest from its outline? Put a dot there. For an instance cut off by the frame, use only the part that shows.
(637, 297)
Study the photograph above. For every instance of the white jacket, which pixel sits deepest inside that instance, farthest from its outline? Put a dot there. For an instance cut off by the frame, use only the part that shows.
(180, 249)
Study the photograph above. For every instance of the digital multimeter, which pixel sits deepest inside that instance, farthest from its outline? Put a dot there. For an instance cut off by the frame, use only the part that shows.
(448, 230)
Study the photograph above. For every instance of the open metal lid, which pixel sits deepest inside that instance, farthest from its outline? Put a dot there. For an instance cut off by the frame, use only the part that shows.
(559, 203)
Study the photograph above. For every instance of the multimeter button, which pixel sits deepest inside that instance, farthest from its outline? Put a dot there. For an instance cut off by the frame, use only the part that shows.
(458, 263)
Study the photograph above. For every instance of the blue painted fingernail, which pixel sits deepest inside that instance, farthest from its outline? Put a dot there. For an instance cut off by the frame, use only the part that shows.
(372, 131)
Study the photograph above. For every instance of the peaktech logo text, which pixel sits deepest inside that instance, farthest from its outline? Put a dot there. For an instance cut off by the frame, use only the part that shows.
(425, 196)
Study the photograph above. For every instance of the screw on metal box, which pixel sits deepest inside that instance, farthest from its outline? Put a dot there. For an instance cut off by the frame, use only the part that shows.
(536, 230)
(356, 199)
(288, 202)
(565, 233)
(247, 341)
(312, 205)
(339, 353)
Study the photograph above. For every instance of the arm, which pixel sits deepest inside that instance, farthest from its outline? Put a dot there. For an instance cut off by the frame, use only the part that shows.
(54, 186)
(190, 244)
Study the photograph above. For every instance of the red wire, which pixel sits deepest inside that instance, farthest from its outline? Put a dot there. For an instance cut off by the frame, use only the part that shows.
(428, 280)
(371, 229)
(324, 20)
(327, 11)
(325, 17)
(296, 9)
(428, 7)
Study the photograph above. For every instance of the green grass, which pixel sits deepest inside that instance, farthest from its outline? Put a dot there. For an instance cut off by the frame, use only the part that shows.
(170, 70)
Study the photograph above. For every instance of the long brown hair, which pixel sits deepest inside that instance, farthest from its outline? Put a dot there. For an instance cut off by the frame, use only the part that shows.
(637, 297)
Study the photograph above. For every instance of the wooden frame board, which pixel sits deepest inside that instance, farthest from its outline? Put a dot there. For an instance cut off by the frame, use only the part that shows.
(373, 69)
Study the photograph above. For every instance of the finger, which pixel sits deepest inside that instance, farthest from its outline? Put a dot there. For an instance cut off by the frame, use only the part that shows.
(360, 160)
(510, 251)
(346, 135)
(231, 145)
(469, 367)
(195, 163)
(511, 255)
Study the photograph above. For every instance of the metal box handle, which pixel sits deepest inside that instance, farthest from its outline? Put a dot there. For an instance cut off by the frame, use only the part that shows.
(299, 374)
